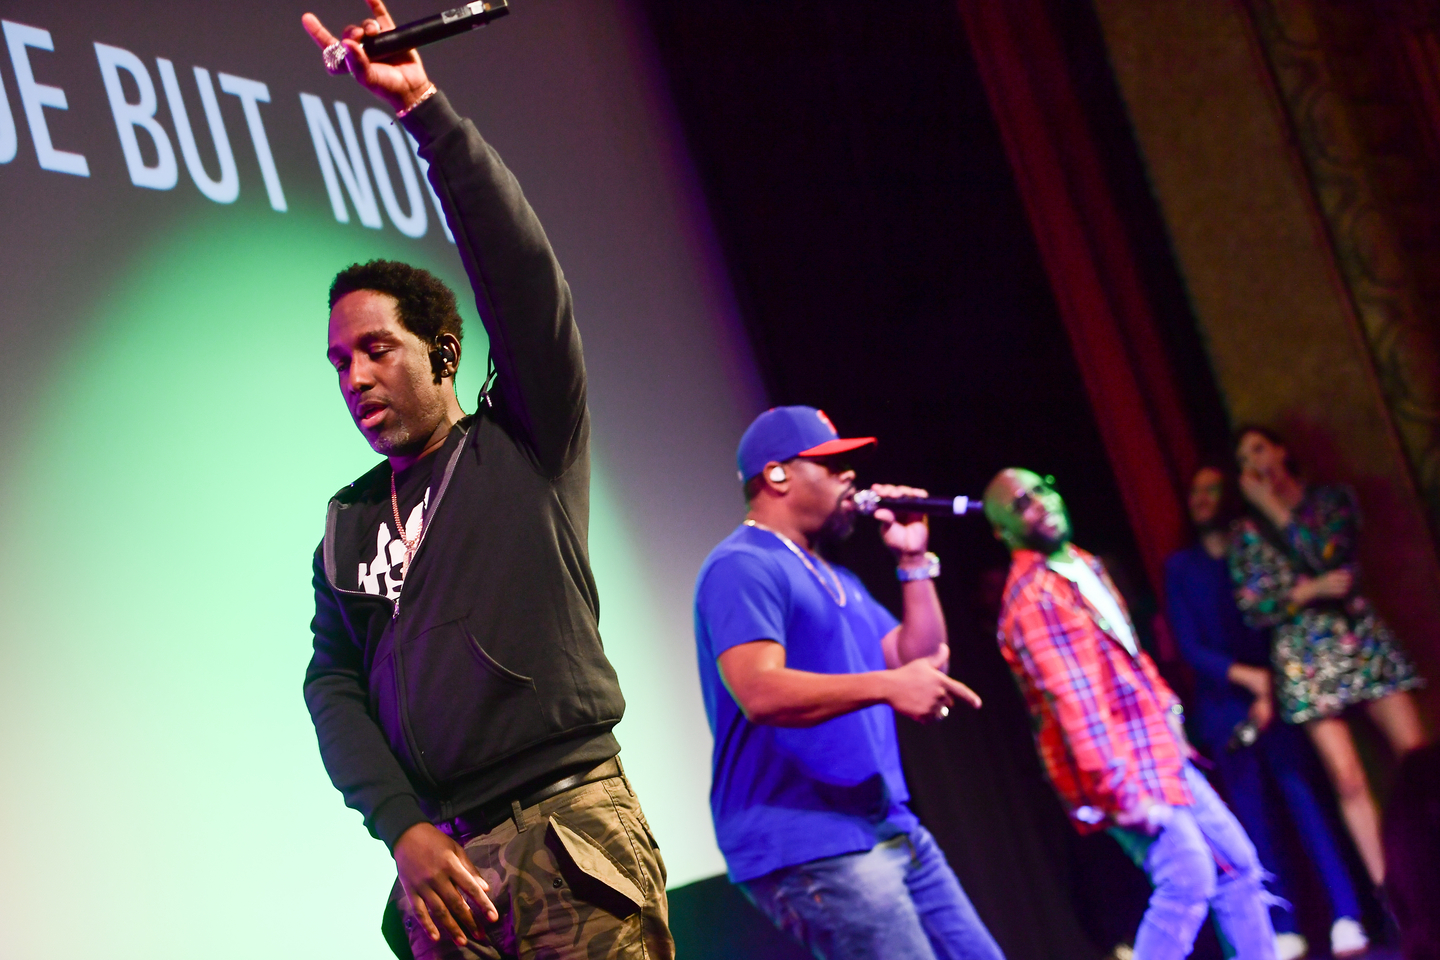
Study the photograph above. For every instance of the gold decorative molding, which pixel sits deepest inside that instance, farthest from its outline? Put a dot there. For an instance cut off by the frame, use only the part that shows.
(1351, 107)
(1347, 378)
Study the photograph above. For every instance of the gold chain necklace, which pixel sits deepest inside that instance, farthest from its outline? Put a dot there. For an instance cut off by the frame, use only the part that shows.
(410, 545)
(839, 595)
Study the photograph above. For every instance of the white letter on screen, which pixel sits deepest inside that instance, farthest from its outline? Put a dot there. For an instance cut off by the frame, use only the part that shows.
(166, 173)
(227, 188)
(352, 171)
(372, 121)
(429, 187)
(9, 143)
(252, 93)
(35, 97)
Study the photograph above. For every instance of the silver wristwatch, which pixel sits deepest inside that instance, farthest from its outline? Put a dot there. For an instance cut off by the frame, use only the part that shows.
(929, 571)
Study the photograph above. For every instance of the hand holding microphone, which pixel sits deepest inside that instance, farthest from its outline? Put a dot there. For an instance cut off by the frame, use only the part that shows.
(390, 40)
(402, 82)
(382, 56)
(869, 501)
(886, 503)
(904, 538)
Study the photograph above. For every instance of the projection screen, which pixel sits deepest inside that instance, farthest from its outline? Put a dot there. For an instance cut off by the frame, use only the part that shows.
(180, 183)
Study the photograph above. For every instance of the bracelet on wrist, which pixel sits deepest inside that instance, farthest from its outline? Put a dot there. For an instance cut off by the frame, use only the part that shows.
(425, 94)
(928, 570)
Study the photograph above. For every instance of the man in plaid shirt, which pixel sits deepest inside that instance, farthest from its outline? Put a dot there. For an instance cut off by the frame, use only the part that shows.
(1109, 731)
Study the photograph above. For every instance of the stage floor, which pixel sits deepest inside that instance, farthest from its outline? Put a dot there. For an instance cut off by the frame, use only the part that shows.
(712, 920)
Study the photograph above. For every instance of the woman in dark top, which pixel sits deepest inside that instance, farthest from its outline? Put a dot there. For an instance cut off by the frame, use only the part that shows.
(1295, 566)
(1232, 685)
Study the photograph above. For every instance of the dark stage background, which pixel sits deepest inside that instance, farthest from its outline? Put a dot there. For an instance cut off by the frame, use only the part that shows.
(887, 273)
(823, 189)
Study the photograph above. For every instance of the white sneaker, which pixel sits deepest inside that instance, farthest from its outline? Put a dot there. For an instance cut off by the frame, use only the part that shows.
(1347, 939)
(1290, 946)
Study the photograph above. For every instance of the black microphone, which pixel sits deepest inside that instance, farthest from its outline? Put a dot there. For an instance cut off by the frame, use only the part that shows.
(418, 33)
(868, 501)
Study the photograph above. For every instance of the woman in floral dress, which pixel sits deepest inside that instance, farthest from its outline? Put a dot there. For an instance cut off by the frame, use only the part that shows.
(1295, 568)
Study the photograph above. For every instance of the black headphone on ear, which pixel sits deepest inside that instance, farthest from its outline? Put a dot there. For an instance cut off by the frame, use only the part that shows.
(443, 361)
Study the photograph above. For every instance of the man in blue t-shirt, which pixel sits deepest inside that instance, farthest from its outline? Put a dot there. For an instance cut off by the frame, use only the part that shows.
(801, 671)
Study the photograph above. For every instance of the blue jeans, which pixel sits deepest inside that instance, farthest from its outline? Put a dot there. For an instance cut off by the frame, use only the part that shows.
(897, 901)
(1284, 752)
(1201, 861)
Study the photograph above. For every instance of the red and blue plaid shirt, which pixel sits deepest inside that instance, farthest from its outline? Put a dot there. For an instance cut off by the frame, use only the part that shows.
(1100, 714)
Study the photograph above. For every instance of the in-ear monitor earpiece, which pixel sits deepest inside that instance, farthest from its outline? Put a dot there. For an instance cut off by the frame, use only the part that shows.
(777, 475)
(444, 361)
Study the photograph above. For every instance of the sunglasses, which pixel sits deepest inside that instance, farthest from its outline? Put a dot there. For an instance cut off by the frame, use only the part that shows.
(834, 464)
(1027, 497)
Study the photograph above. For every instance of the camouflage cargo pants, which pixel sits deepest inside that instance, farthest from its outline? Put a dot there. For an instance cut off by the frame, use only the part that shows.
(576, 876)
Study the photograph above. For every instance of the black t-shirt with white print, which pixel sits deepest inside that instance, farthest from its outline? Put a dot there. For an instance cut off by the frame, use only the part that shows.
(375, 563)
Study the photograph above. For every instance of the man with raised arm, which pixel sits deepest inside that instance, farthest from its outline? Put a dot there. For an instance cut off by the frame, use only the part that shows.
(458, 687)
(1109, 732)
(802, 673)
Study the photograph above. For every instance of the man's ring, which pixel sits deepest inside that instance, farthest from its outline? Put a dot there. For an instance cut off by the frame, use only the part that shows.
(334, 57)
(944, 712)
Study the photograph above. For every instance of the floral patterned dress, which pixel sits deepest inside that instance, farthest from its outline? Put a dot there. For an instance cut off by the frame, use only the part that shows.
(1330, 654)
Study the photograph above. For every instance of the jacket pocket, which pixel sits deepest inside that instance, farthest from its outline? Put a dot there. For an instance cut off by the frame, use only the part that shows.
(496, 667)
(465, 708)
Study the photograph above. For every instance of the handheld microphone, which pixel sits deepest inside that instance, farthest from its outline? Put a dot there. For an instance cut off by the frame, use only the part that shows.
(418, 33)
(868, 501)
(1244, 735)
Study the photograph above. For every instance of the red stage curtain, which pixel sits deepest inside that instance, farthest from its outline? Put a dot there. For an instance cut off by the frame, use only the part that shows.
(1091, 263)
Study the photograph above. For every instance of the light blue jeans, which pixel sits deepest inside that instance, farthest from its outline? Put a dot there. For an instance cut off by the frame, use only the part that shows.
(1201, 861)
(897, 901)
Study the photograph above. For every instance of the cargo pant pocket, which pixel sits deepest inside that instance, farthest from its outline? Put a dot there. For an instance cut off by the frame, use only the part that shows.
(591, 874)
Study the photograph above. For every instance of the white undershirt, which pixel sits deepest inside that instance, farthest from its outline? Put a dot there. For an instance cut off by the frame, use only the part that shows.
(1093, 589)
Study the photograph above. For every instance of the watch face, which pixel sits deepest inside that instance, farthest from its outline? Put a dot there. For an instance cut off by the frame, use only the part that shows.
(929, 571)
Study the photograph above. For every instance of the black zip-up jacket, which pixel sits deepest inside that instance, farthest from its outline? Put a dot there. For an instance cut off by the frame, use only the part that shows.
(487, 676)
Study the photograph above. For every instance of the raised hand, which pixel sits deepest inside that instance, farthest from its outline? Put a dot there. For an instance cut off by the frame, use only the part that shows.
(1255, 488)
(1331, 585)
(1259, 490)
(1335, 584)
(908, 534)
(441, 883)
(922, 693)
(400, 81)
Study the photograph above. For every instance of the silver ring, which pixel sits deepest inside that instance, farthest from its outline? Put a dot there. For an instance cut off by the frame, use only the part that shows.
(944, 712)
(334, 57)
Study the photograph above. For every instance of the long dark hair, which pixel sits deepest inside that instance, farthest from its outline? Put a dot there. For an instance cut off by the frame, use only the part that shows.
(1263, 524)
(1292, 466)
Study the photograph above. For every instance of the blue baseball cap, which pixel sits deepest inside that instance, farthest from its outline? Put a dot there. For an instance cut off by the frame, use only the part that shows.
(782, 433)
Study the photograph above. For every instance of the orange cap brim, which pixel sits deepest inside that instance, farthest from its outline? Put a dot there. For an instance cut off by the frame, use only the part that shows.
(839, 445)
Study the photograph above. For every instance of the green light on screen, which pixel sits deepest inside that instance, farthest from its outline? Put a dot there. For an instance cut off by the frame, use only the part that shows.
(164, 503)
